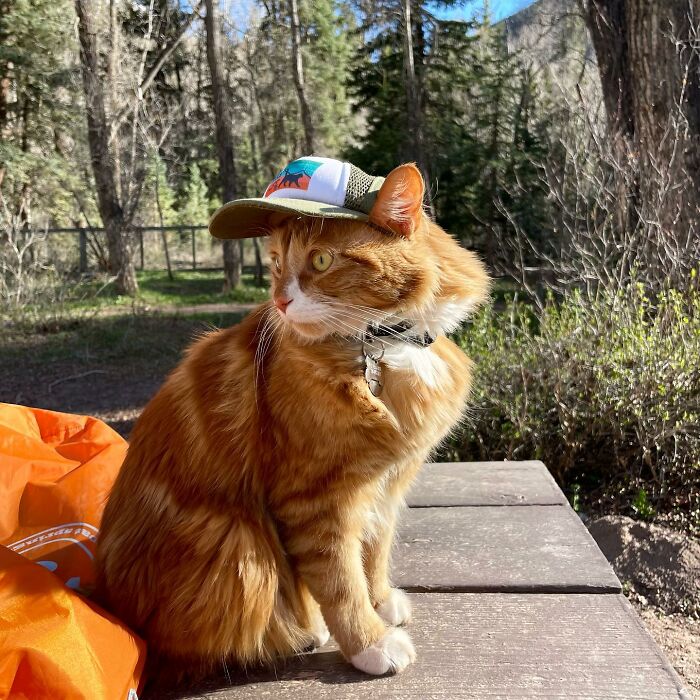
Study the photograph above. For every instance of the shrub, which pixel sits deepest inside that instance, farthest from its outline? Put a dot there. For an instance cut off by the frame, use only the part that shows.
(606, 391)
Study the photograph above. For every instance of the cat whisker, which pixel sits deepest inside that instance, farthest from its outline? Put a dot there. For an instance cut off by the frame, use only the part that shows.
(331, 321)
(264, 338)
(366, 321)
(281, 331)
(270, 335)
(374, 316)
(346, 330)
(343, 329)
(423, 317)
(367, 313)
(364, 314)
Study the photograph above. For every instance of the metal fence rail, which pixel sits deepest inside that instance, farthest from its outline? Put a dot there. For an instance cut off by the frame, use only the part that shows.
(138, 231)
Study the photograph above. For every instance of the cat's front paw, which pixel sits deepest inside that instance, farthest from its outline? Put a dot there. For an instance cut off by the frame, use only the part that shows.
(391, 654)
(396, 609)
(319, 632)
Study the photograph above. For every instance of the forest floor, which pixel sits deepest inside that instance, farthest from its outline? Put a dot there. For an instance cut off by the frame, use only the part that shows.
(110, 364)
(107, 366)
(189, 291)
(679, 636)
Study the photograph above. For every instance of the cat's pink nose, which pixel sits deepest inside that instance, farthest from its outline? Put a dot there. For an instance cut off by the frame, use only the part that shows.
(282, 303)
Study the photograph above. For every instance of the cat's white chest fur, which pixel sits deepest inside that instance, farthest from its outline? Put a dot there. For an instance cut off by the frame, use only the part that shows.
(423, 362)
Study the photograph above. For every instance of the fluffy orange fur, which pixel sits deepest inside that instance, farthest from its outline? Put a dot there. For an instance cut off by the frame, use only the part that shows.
(261, 487)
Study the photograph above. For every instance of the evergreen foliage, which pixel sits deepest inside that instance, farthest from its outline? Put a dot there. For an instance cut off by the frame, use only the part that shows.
(39, 120)
(194, 206)
(484, 120)
(329, 49)
(481, 111)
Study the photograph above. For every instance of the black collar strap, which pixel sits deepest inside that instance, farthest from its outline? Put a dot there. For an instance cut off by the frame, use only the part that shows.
(379, 330)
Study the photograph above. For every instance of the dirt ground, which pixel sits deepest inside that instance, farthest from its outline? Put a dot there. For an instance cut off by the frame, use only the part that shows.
(679, 637)
(110, 367)
(660, 571)
(104, 390)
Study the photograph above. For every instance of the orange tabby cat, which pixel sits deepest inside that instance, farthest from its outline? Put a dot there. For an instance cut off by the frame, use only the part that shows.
(258, 498)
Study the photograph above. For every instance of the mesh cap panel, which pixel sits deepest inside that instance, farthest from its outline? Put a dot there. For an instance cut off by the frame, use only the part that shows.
(359, 184)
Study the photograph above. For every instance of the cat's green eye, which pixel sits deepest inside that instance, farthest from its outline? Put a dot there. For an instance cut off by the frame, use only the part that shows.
(276, 263)
(321, 260)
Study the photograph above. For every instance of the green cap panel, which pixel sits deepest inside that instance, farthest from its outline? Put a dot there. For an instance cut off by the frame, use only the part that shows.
(248, 218)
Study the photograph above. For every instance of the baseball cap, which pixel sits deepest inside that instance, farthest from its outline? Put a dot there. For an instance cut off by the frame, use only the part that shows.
(309, 186)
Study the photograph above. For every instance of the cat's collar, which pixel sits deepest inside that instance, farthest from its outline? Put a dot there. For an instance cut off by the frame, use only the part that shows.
(373, 347)
(399, 331)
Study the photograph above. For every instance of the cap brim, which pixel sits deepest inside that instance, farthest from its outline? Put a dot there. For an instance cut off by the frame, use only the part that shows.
(248, 218)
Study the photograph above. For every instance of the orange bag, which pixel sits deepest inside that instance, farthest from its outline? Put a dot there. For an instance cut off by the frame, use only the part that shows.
(56, 471)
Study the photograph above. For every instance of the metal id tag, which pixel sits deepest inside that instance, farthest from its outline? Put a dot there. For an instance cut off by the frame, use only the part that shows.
(373, 371)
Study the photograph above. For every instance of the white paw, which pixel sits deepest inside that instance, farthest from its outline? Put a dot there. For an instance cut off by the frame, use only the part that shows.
(391, 654)
(396, 609)
(320, 632)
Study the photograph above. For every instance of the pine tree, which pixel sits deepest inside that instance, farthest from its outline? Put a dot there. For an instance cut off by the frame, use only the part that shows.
(157, 203)
(445, 68)
(37, 115)
(194, 208)
(483, 135)
(328, 28)
(512, 139)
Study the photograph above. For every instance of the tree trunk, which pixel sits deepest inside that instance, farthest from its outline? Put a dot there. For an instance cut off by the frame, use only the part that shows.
(259, 269)
(414, 95)
(606, 21)
(118, 243)
(163, 234)
(119, 248)
(4, 82)
(224, 140)
(299, 83)
(24, 205)
(259, 118)
(650, 73)
(493, 155)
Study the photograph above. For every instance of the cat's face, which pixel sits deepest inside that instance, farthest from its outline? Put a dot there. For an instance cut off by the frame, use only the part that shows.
(336, 276)
(333, 276)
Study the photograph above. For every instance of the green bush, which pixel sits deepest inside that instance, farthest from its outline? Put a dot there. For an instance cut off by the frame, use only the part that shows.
(605, 391)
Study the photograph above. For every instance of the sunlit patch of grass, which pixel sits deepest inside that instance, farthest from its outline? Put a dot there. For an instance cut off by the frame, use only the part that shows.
(189, 287)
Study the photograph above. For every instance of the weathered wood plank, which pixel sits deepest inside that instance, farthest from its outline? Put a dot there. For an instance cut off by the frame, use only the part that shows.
(485, 484)
(490, 548)
(484, 646)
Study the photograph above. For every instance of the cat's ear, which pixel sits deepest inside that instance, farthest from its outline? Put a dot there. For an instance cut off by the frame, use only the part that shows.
(399, 203)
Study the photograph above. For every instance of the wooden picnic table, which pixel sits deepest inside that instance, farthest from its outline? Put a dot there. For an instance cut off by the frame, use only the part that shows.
(511, 599)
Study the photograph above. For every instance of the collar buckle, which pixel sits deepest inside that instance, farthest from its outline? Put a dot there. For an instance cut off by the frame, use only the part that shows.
(399, 331)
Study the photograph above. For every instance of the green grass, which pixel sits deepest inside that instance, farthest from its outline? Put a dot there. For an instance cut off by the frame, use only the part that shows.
(155, 289)
(78, 327)
(123, 339)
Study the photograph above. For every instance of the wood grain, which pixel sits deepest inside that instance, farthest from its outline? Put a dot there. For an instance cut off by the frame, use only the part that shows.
(490, 548)
(521, 604)
(485, 484)
(483, 646)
